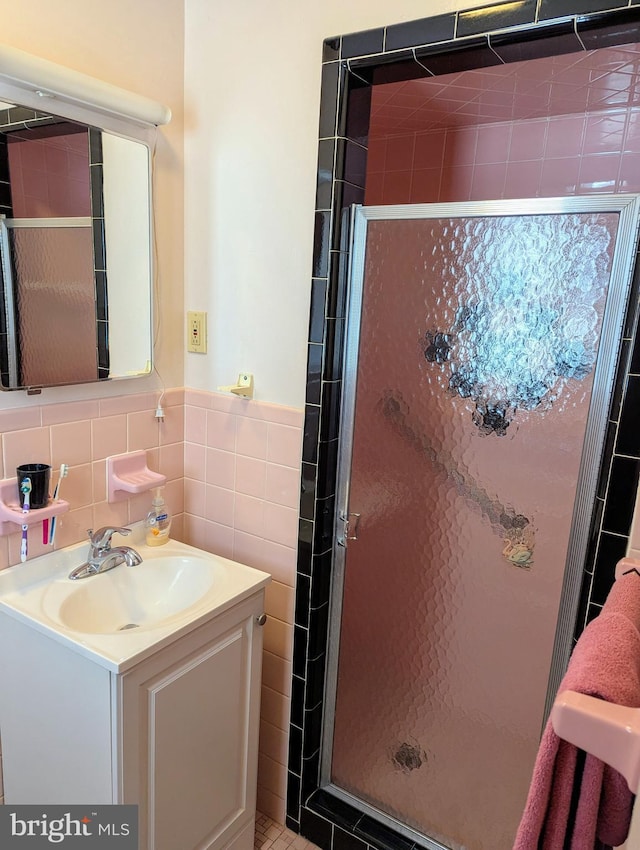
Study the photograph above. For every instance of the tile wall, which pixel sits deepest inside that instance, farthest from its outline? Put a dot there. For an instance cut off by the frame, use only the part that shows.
(544, 157)
(241, 495)
(233, 487)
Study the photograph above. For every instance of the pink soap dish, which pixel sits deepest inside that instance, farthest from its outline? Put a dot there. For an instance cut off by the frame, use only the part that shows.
(128, 474)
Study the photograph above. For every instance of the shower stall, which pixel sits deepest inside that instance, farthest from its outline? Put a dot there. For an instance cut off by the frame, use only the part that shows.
(481, 352)
(471, 455)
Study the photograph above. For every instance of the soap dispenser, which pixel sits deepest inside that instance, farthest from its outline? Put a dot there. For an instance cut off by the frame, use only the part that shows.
(158, 521)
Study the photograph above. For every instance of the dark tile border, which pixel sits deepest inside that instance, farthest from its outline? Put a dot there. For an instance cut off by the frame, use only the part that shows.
(353, 63)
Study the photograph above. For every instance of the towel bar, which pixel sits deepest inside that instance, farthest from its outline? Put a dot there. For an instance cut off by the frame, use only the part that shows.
(609, 732)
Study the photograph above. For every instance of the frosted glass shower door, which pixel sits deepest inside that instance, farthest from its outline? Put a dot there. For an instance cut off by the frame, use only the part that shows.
(480, 357)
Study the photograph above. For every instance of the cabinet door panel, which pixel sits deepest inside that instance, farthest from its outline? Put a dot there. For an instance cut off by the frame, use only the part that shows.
(188, 735)
(197, 758)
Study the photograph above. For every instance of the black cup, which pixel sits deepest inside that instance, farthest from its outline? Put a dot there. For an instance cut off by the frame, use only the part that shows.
(40, 475)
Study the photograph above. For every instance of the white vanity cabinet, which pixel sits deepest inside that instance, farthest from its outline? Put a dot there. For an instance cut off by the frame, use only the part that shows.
(175, 733)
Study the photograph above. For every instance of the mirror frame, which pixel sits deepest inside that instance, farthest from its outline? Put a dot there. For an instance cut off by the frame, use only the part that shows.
(44, 86)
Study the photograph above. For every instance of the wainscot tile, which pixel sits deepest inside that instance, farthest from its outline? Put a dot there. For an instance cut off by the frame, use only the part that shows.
(628, 442)
(452, 57)
(362, 43)
(623, 483)
(549, 40)
(563, 8)
(329, 100)
(611, 549)
(326, 159)
(610, 28)
(331, 48)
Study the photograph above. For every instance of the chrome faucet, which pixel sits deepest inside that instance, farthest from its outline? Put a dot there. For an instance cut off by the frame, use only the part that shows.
(102, 556)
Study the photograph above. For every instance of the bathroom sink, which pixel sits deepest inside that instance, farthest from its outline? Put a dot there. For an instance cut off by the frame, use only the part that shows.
(132, 597)
(121, 616)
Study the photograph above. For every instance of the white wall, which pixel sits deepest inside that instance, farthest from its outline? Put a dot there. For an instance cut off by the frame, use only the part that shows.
(252, 95)
(138, 46)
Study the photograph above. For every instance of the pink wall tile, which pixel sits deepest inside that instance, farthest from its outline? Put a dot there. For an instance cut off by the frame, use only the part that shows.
(219, 539)
(128, 403)
(270, 804)
(280, 602)
(488, 181)
(227, 403)
(29, 446)
(493, 143)
(109, 436)
(456, 184)
(425, 186)
(72, 527)
(221, 430)
(265, 555)
(77, 487)
(429, 150)
(195, 461)
(172, 429)
(275, 708)
(559, 177)
(278, 637)
(173, 397)
(528, 140)
(248, 515)
(171, 460)
(220, 468)
(284, 445)
(460, 147)
(71, 443)
(282, 485)
(251, 476)
(632, 132)
(374, 192)
(604, 133)
(194, 497)
(18, 420)
(280, 524)
(174, 496)
(273, 741)
(219, 505)
(53, 414)
(397, 187)
(195, 531)
(599, 174)
(522, 179)
(277, 413)
(564, 136)
(251, 437)
(276, 673)
(99, 477)
(376, 155)
(399, 153)
(629, 177)
(143, 430)
(195, 424)
(105, 513)
(197, 398)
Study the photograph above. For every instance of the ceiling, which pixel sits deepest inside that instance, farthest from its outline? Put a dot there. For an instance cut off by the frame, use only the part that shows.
(592, 81)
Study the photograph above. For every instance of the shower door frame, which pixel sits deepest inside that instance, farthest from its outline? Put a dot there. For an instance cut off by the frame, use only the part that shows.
(617, 297)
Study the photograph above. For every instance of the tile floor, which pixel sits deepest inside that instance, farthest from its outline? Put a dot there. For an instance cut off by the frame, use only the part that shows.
(272, 836)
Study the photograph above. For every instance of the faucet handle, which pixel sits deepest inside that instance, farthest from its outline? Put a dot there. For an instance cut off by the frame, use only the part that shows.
(102, 538)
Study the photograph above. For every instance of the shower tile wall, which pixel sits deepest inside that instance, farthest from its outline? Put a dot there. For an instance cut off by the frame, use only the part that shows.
(558, 156)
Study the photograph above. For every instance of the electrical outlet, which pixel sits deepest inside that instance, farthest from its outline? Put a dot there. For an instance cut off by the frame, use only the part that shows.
(197, 331)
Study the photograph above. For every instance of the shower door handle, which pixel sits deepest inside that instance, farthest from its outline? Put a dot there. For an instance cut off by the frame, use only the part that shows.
(350, 528)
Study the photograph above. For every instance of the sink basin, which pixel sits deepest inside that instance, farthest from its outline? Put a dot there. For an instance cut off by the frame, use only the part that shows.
(132, 597)
(124, 615)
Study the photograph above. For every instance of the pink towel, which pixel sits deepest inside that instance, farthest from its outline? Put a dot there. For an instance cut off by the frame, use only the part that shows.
(605, 663)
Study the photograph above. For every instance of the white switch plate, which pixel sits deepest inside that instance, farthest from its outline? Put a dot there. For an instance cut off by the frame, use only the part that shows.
(197, 331)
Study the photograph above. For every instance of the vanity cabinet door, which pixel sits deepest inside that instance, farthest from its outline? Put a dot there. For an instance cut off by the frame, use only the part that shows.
(189, 735)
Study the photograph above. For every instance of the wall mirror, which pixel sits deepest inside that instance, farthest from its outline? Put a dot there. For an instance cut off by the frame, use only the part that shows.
(75, 243)
(76, 259)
